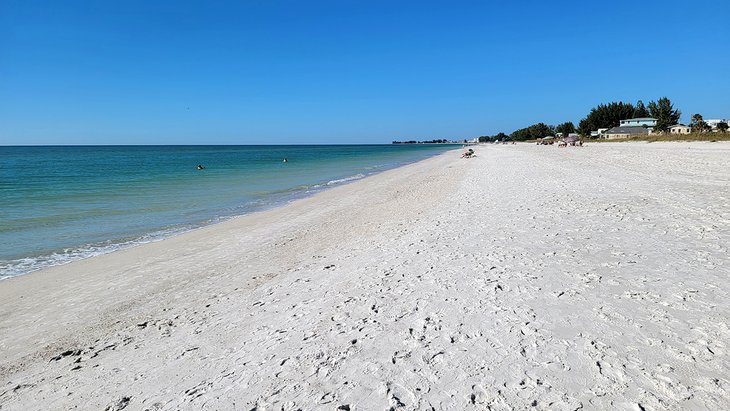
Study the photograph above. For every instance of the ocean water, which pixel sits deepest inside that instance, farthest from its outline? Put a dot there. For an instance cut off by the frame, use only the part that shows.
(64, 203)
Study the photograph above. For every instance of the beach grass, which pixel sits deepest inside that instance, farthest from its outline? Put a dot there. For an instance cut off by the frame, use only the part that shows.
(711, 137)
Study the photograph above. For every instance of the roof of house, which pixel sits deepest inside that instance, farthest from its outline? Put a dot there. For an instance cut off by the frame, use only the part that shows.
(640, 118)
(628, 130)
(678, 125)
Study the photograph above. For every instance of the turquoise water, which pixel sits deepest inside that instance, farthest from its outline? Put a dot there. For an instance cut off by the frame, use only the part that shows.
(63, 203)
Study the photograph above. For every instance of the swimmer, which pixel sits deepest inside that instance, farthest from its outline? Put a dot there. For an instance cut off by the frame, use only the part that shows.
(200, 167)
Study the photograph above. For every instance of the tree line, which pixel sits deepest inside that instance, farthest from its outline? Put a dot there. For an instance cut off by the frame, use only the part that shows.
(436, 141)
(607, 115)
(532, 132)
(497, 137)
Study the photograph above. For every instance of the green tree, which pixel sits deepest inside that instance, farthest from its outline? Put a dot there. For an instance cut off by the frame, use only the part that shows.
(497, 137)
(584, 127)
(665, 114)
(565, 128)
(640, 111)
(722, 126)
(534, 131)
(698, 124)
(605, 116)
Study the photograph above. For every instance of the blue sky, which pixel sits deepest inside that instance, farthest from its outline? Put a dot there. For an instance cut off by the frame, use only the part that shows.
(287, 72)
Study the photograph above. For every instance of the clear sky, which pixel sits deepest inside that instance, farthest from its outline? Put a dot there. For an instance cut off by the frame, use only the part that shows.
(370, 71)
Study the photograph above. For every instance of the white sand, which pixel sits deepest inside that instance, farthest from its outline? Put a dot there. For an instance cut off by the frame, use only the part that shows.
(592, 277)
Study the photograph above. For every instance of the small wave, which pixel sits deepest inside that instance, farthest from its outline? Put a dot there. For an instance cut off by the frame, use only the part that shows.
(374, 167)
(346, 179)
(13, 268)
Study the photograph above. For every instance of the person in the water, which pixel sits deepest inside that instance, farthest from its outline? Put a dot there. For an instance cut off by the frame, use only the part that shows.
(200, 167)
(286, 161)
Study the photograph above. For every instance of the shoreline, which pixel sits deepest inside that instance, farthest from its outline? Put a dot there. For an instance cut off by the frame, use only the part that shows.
(90, 250)
(52, 277)
(586, 277)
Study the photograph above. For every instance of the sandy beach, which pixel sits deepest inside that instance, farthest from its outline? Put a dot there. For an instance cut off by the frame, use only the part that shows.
(529, 276)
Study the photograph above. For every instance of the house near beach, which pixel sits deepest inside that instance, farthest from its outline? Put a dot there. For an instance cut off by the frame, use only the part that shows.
(714, 122)
(679, 129)
(625, 132)
(598, 133)
(629, 127)
(638, 122)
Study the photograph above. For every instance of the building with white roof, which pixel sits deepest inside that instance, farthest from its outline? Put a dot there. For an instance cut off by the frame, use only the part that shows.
(679, 129)
(714, 122)
(638, 122)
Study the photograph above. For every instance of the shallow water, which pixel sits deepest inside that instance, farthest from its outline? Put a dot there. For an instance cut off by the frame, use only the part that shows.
(63, 203)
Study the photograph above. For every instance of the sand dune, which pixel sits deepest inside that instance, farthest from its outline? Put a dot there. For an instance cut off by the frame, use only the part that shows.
(593, 277)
